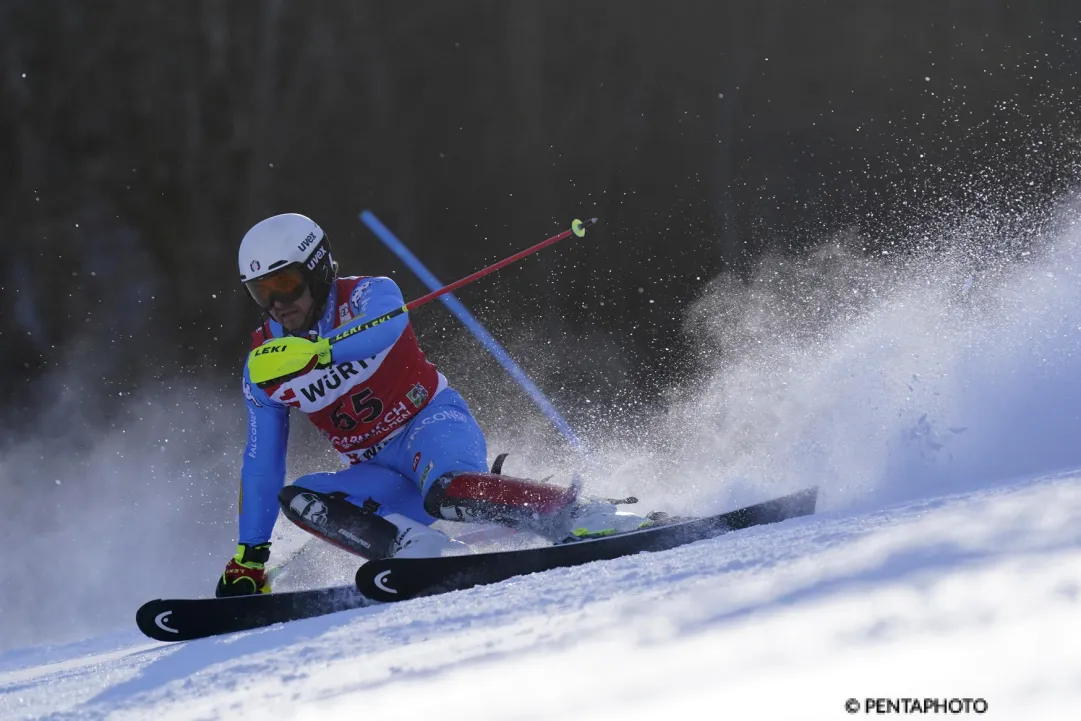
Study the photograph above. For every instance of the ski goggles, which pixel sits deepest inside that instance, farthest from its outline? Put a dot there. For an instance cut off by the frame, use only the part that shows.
(285, 285)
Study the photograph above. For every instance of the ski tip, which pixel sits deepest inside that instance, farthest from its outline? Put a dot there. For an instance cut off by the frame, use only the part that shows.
(805, 501)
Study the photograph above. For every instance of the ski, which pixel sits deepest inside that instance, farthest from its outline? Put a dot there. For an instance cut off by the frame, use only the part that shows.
(398, 579)
(401, 579)
(187, 619)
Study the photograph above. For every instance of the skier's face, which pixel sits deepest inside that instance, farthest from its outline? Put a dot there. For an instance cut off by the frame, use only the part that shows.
(292, 314)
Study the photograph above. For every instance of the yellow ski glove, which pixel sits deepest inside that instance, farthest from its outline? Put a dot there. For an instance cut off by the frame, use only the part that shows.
(280, 359)
(245, 573)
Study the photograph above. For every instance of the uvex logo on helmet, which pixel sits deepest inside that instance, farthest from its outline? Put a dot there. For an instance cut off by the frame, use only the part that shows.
(306, 242)
(314, 260)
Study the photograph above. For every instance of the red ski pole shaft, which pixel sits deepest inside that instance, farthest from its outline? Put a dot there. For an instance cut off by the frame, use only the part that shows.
(578, 228)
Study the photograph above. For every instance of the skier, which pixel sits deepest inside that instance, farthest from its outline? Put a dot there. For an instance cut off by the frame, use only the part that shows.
(413, 451)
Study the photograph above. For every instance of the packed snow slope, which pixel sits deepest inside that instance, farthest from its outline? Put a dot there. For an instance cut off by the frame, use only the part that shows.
(971, 596)
(934, 397)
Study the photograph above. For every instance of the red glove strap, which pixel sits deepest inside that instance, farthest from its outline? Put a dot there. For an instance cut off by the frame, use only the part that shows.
(234, 572)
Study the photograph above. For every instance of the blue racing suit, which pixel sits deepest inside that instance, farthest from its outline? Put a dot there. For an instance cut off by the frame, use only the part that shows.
(387, 411)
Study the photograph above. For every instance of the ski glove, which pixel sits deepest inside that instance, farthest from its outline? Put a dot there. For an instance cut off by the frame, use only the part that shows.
(245, 573)
(280, 359)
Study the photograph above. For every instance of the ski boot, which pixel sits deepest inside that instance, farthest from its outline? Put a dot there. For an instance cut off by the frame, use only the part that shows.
(596, 518)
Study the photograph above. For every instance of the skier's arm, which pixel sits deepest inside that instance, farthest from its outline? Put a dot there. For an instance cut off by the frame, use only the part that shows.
(289, 356)
(371, 299)
(263, 472)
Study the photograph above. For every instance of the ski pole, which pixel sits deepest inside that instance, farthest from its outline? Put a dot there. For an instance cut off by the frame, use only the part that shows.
(578, 228)
(474, 326)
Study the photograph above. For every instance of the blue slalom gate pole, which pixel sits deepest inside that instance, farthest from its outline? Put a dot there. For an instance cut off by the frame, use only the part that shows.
(479, 331)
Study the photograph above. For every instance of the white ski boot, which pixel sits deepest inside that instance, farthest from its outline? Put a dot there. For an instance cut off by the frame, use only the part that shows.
(597, 517)
(415, 540)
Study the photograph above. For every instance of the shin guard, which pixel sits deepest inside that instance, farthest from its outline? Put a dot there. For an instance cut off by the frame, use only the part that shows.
(337, 521)
(491, 498)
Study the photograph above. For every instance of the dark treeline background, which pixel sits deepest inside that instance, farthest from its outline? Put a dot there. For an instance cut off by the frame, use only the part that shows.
(140, 140)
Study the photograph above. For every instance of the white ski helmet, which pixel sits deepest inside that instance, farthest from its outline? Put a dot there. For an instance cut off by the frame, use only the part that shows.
(282, 255)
